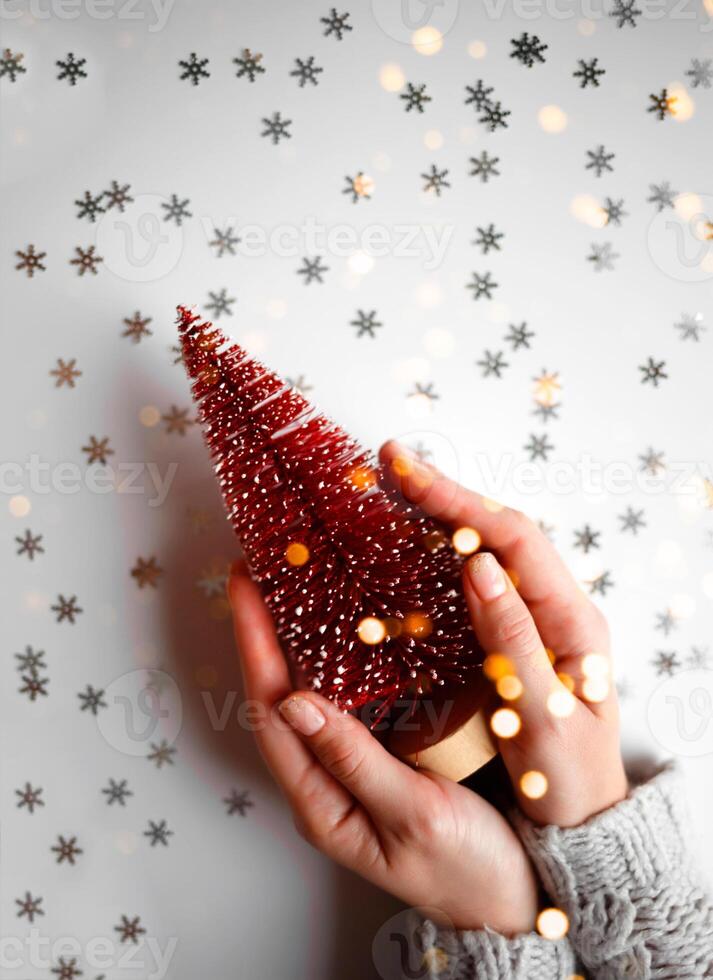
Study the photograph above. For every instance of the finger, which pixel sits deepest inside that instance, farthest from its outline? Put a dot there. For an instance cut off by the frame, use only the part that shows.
(267, 683)
(503, 625)
(350, 753)
(543, 579)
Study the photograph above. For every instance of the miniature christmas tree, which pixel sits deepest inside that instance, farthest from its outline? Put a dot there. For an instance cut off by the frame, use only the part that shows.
(364, 589)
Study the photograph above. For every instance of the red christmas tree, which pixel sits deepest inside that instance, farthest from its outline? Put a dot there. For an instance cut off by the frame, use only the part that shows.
(364, 589)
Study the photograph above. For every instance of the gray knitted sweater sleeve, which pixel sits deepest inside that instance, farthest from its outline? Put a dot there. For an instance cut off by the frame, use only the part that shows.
(486, 955)
(626, 881)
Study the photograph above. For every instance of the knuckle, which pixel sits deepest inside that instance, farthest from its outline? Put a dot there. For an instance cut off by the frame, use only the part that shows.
(514, 628)
(307, 830)
(343, 759)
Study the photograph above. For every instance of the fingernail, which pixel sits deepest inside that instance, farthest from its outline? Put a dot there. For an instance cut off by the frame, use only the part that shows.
(487, 576)
(302, 715)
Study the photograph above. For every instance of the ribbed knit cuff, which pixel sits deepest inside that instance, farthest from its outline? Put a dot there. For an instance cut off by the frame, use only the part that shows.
(624, 878)
(486, 955)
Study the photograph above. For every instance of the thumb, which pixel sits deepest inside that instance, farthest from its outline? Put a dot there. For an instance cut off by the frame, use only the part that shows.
(351, 754)
(504, 625)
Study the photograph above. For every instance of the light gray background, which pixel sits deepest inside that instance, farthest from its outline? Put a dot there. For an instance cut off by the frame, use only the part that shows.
(244, 896)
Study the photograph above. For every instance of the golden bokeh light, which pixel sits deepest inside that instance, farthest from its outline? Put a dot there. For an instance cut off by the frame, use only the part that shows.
(497, 665)
(552, 924)
(509, 687)
(547, 388)
(567, 680)
(433, 139)
(371, 630)
(479, 49)
(363, 185)
(149, 416)
(552, 119)
(360, 263)
(595, 689)
(505, 723)
(391, 78)
(513, 576)
(19, 506)
(682, 105)
(466, 540)
(492, 506)
(402, 465)
(586, 28)
(297, 553)
(393, 626)
(595, 665)
(688, 205)
(561, 702)
(588, 210)
(362, 477)
(533, 784)
(417, 624)
(427, 40)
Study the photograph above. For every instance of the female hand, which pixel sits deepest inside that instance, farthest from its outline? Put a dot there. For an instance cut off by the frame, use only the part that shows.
(567, 708)
(425, 839)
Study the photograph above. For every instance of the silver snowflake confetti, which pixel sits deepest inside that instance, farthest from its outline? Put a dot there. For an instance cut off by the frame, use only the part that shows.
(30, 261)
(602, 257)
(519, 336)
(586, 539)
(237, 803)
(118, 196)
(614, 211)
(600, 584)
(662, 195)
(653, 372)
(176, 210)
(66, 608)
(662, 104)
(484, 167)
(415, 97)
(224, 241)
(32, 660)
(71, 68)
(482, 286)
(33, 685)
(312, 270)
(29, 907)
(11, 64)
(90, 206)
(117, 792)
(632, 520)
(130, 930)
(492, 364)
(366, 323)
(67, 969)
(589, 73)
(66, 849)
(92, 700)
(495, 117)
(528, 49)
(86, 260)
(538, 447)
(276, 128)
(701, 73)
(478, 95)
(665, 622)
(666, 663)
(435, 180)
(162, 754)
(194, 69)
(358, 187)
(30, 545)
(625, 12)
(488, 239)
(220, 304)
(306, 71)
(599, 161)
(29, 797)
(158, 833)
(652, 462)
(336, 24)
(691, 326)
(249, 64)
